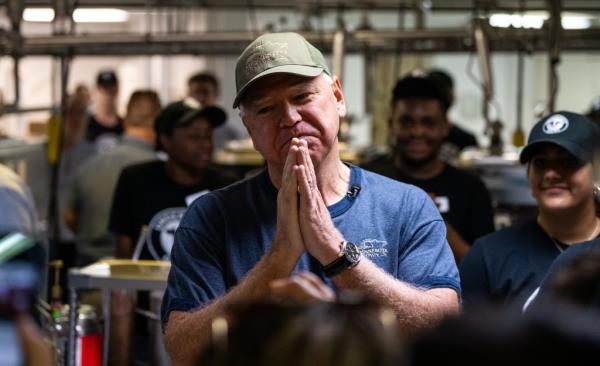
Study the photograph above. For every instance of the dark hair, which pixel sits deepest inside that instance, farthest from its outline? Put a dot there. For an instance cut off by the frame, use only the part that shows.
(442, 77)
(411, 87)
(578, 282)
(556, 334)
(204, 77)
(296, 335)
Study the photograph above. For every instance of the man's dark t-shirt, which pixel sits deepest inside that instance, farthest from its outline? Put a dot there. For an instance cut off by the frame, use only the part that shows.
(95, 129)
(146, 196)
(461, 197)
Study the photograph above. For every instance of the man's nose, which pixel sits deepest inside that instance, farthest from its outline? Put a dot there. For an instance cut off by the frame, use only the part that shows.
(289, 114)
(417, 129)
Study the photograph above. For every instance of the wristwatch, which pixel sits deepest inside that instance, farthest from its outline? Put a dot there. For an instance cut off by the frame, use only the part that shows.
(349, 257)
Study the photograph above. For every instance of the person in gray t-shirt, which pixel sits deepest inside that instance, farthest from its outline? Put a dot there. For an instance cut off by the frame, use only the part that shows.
(94, 183)
(17, 210)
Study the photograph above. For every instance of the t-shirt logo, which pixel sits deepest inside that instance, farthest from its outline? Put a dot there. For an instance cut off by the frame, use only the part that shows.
(160, 235)
(373, 248)
(555, 124)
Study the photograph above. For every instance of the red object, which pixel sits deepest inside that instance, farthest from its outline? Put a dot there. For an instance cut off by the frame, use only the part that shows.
(89, 350)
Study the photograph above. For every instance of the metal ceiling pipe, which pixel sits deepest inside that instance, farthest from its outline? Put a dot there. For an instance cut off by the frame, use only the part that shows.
(553, 51)
(15, 14)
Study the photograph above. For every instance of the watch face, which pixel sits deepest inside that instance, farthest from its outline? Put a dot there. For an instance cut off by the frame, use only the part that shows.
(352, 253)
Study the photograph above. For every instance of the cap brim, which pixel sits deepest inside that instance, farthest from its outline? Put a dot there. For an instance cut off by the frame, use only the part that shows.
(213, 114)
(570, 147)
(302, 70)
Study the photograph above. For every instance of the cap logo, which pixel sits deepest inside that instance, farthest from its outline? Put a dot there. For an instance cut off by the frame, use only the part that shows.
(555, 124)
(266, 54)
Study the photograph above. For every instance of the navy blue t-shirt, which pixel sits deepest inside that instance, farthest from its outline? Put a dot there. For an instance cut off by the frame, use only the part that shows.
(506, 266)
(226, 232)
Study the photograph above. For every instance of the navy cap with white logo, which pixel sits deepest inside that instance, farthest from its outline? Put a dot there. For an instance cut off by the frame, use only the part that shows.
(575, 133)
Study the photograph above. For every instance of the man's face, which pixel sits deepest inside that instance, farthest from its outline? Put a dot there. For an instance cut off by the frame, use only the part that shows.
(108, 93)
(559, 181)
(190, 146)
(204, 92)
(281, 107)
(419, 127)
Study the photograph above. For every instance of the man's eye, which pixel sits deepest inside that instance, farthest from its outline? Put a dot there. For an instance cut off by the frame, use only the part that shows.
(302, 96)
(264, 110)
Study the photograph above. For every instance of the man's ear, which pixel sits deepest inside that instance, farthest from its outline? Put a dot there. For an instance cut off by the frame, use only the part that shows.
(339, 96)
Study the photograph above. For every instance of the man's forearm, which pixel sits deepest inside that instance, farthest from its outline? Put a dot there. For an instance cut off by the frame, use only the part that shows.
(415, 308)
(186, 333)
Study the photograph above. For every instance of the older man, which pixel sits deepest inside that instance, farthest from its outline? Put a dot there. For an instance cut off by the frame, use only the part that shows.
(308, 211)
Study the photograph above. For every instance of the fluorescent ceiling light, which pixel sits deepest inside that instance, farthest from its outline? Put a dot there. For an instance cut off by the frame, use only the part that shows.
(536, 20)
(576, 22)
(100, 15)
(518, 21)
(38, 15)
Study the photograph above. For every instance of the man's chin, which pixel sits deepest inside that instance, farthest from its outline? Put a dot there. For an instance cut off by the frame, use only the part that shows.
(417, 161)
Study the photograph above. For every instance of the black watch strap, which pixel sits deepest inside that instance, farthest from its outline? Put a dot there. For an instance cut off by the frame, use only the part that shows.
(349, 257)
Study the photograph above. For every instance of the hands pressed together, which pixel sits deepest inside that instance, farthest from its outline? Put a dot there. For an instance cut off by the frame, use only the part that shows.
(303, 220)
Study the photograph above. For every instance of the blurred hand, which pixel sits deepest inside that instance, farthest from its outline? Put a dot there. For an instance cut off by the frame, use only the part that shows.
(36, 349)
(302, 288)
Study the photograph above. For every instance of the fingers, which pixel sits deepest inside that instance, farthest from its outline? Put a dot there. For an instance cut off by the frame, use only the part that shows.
(288, 167)
(304, 169)
(303, 287)
(325, 291)
(303, 159)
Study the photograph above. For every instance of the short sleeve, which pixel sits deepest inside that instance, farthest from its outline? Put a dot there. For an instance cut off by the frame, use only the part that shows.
(426, 259)
(197, 260)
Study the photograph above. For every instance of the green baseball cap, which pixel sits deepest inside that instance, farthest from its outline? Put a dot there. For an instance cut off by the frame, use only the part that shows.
(274, 53)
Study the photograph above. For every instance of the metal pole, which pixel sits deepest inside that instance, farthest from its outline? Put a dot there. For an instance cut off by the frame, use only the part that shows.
(553, 51)
(72, 324)
(106, 308)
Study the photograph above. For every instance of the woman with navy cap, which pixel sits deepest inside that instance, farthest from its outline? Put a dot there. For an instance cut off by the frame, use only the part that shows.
(506, 266)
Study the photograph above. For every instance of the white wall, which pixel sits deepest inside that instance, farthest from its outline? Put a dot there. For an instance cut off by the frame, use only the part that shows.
(579, 83)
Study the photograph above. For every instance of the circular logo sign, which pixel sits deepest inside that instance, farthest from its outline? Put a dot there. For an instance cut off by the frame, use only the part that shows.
(555, 124)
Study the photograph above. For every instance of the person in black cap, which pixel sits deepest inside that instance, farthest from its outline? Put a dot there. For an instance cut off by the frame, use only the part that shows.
(151, 198)
(419, 125)
(105, 121)
(184, 133)
(508, 265)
